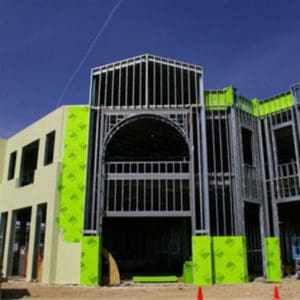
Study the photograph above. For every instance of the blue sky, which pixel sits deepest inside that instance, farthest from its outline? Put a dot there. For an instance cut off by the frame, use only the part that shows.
(253, 45)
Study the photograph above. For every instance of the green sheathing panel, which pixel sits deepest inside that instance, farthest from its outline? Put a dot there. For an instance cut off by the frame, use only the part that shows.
(219, 99)
(230, 259)
(188, 272)
(273, 259)
(154, 279)
(275, 104)
(202, 260)
(255, 106)
(90, 260)
(222, 99)
(72, 193)
(72, 180)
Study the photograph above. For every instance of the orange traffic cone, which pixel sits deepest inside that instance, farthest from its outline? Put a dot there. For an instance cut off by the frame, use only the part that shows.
(276, 293)
(200, 296)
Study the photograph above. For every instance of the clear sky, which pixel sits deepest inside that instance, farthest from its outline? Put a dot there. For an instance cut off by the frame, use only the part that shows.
(253, 45)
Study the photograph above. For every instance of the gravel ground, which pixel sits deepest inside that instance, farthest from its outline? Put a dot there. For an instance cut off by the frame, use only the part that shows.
(288, 289)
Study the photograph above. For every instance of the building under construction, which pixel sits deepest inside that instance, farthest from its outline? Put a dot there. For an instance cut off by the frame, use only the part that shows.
(160, 172)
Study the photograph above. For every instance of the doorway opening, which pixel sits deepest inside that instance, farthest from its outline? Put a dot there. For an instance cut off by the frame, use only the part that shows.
(20, 242)
(253, 237)
(39, 241)
(3, 225)
(289, 226)
(148, 246)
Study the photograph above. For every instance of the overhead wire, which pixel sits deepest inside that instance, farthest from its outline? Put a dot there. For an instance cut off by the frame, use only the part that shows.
(107, 21)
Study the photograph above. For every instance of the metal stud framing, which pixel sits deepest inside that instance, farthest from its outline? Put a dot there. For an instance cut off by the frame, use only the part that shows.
(150, 88)
(233, 153)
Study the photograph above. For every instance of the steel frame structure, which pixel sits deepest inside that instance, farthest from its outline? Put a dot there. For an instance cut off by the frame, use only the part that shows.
(232, 165)
(125, 189)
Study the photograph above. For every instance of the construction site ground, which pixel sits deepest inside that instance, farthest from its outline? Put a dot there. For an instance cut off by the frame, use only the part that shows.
(289, 289)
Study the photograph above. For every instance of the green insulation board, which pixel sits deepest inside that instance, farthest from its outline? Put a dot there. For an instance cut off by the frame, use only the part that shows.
(224, 98)
(188, 272)
(153, 279)
(219, 99)
(202, 260)
(230, 259)
(72, 179)
(90, 260)
(275, 104)
(273, 259)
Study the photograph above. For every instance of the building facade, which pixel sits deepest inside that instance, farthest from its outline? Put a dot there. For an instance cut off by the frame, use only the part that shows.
(160, 172)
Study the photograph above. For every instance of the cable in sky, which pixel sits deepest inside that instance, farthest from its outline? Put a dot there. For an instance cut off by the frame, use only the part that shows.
(108, 19)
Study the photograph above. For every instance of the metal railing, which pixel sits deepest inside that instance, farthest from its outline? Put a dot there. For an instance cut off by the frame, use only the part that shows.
(147, 188)
(147, 167)
(287, 180)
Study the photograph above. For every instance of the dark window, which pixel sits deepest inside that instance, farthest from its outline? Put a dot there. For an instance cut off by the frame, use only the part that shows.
(247, 146)
(285, 145)
(217, 145)
(3, 224)
(12, 165)
(95, 91)
(29, 163)
(49, 148)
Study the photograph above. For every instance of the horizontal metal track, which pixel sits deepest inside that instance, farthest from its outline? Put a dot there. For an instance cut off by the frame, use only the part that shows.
(148, 214)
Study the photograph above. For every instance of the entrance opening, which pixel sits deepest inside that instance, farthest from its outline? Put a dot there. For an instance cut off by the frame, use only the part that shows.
(147, 223)
(3, 224)
(253, 236)
(39, 241)
(148, 246)
(289, 223)
(21, 233)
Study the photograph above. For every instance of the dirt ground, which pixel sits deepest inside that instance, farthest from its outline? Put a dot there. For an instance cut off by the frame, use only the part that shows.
(288, 289)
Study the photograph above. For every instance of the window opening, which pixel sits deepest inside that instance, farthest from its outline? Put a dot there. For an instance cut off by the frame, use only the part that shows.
(247, 146)
(49, 148)
(285, 145)
(12, 165)
(29, 163)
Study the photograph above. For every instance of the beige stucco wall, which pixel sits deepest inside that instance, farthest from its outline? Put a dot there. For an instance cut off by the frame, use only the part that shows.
(68, 262)
(61, 262)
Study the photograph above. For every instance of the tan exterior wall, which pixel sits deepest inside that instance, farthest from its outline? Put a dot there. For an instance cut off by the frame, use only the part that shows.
(68, 262)
(61, 263)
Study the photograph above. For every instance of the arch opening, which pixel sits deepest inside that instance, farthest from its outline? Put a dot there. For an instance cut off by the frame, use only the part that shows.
(147, 170)
(147, 139)
(147, 197)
